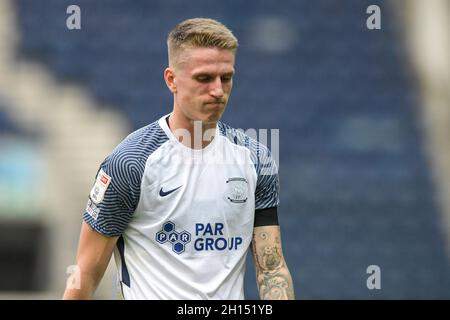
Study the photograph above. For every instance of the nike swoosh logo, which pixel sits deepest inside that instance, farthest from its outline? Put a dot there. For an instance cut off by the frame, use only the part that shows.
(165, 193)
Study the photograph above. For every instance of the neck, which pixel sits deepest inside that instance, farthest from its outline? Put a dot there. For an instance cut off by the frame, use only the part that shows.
(192, 133)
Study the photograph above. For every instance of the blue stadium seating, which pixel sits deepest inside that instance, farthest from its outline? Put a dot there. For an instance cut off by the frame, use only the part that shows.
(356, 186)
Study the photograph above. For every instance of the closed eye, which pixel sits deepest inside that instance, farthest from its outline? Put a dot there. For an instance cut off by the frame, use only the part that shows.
(203, 78)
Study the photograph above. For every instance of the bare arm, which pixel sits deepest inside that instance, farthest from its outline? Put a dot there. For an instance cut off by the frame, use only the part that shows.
(272, 274)
(94, 253)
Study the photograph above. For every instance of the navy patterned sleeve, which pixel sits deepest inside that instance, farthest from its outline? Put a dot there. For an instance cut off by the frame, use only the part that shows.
(115, 194)
(267, 185)
(116, 191)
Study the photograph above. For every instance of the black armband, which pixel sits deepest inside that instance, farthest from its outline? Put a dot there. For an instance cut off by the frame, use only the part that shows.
(266, 217)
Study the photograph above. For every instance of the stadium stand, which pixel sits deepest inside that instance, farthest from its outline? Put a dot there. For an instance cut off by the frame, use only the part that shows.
(22, 263)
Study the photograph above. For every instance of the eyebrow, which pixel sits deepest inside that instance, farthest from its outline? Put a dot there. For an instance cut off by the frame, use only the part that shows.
(206, 73)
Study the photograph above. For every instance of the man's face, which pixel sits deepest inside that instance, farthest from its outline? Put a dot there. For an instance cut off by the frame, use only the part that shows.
(203, 78)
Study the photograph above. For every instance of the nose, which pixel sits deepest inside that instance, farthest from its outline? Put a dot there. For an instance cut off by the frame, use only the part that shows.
(216, 88)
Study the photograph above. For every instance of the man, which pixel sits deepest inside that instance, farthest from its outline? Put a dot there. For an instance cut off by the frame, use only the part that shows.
(181, 200)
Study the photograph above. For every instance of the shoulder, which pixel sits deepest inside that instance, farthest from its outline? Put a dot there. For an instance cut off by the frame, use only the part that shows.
(133, 151)
(260, 153)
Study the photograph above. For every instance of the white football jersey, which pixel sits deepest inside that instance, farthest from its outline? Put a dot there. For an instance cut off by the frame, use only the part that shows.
(184, 217)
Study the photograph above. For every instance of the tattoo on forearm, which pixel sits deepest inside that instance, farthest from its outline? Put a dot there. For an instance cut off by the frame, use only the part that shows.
(274, 280)
(274, 287)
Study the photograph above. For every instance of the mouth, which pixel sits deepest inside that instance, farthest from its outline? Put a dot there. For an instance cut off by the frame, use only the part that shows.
(215, 104)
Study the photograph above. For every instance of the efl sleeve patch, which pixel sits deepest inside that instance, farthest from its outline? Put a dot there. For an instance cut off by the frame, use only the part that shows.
(101, 184)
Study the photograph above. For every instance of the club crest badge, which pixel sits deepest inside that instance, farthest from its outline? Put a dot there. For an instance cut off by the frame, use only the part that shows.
(237, 191)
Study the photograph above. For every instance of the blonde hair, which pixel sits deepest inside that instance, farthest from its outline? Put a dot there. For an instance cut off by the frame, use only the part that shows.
(199, 32)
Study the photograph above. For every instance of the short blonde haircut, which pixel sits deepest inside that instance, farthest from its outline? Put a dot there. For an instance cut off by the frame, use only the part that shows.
(198, 33)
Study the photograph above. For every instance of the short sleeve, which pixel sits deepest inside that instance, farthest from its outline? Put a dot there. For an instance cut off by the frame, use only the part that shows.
(267, 185)
(114, 195)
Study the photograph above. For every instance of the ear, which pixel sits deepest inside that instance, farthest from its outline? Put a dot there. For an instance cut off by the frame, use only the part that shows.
(169, 77)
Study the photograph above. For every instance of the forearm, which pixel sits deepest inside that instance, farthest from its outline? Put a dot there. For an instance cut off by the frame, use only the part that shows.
(272, 274)
(275, 285)
(80, 286)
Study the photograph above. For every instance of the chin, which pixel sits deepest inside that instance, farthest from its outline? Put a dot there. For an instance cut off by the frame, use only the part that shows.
(214, 117)
(211, 116)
